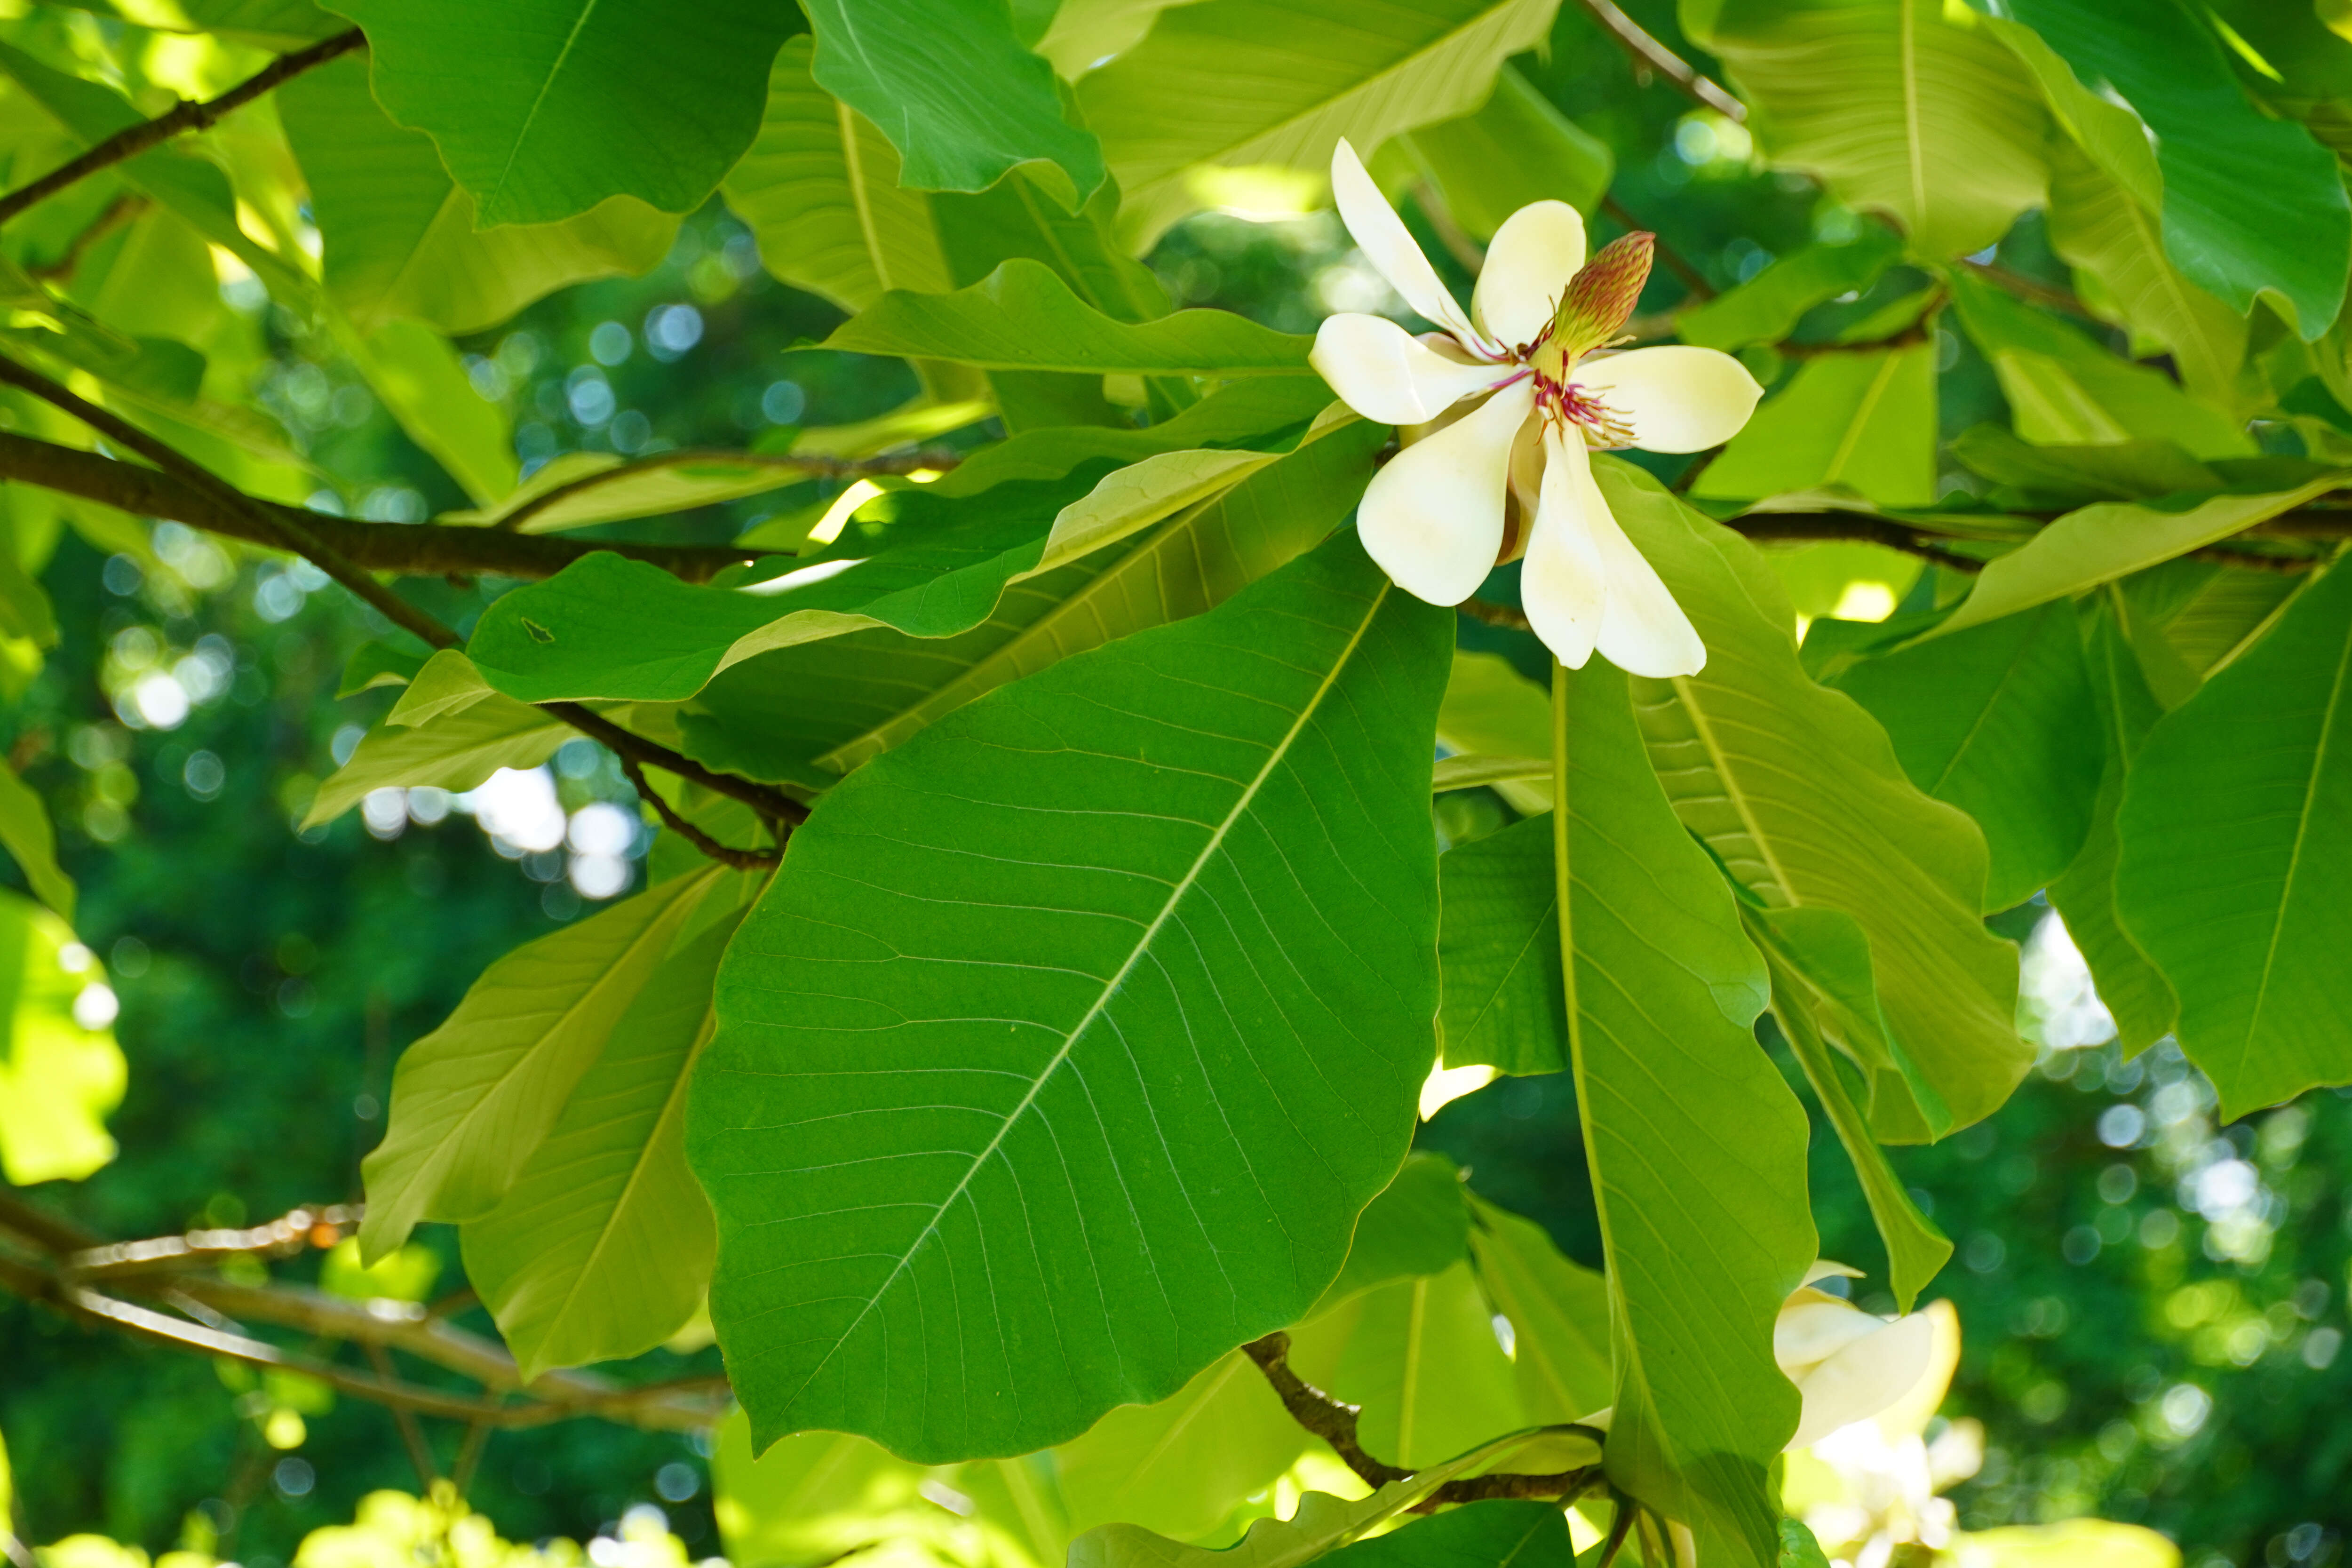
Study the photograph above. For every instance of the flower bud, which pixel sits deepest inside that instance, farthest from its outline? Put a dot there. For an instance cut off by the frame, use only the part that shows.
(1602, 296)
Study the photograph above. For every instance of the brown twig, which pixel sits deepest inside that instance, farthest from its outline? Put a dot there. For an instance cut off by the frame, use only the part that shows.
(469, 1458)
(2032, 289)
(1692, 279)
(632, 748)
(1335, 1423)
(811, 464)
(1853, 527)
(725, 853)
(1649, 54)
(1488, 613)
(131, 140)
(122, 209)
(412, 1436)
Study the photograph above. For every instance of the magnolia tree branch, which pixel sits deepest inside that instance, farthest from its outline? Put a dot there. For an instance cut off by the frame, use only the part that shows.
(131, 140)
(1650, 54)
(66, 1264)
(1335, 1423)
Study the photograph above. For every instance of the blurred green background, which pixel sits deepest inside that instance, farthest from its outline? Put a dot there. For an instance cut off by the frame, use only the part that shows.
(2154, 1306)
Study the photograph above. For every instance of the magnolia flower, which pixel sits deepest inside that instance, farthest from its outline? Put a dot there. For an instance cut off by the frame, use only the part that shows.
(1517, 393)
(1847, 1364)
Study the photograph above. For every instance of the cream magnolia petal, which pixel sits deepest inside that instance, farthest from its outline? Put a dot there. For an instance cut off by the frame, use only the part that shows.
(1564, 585)
(1824, 1268)
(1535, 253)
(1388, 246)
(1808, 1333)
(1677, 399)
(1433, 517)
(1863, 1378)
(1642, 631)
(1385, 373)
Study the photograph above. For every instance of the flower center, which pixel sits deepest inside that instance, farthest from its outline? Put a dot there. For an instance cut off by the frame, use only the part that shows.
(1562, 402)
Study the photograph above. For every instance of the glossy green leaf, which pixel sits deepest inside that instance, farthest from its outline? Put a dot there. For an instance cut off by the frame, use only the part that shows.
(2133, 991)
(2251, 203)
(1238, 83)
(1023, 317)
(602, 487)
(474, 1099)
(953, 87)
(820, 190)
(1696, 1146)
(1498, 953)
(2001, 721)
(1517, 148)
(1420, 1357)
(602, 1246)
(455, 751)
(542, 109)
(1767, 308)
(1147, 813)
(2074, 476)
(1177, 1467)
(2065, 390)
(1864, 420)
(1807, 974)
(1420, 1224)
(1483, 773)
(1559, 1312)
(2235, 854)
(59, 1080)
(1478, 1535)
(418, 376)
(1907, 107)
(1322, 1525)
(398, 234)
(26, 834)
(1737, 746)
(2110, 539)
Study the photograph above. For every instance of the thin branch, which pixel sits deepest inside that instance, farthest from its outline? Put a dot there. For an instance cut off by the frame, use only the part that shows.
(632, 748)
(321, 1226)
(1335, 1423)
(419, 550)
(412, 1436)
(131, 140)
(725, 853)
(2032, 289)
(809, 463)
(121, 210)
(1859, 527)
(1649, 54)
(470, 1457)
(292, 528)
(1692, 279)
(1488, 613)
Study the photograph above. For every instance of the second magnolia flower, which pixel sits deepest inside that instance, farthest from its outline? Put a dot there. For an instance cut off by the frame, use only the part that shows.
(1530, 358)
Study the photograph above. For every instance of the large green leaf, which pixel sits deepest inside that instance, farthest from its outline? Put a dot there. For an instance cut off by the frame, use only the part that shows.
(1559, 1312)
(26, 834)
(1767, 308)
(602, 1249)
(1864, 420)
(1903, 107)
(1697, 1147)
(2138, 996)
(1480, 1535)
(2001, 721)
(398, 236)
(1179, 1467)
(1420, 1358)
(1061, 907)
(1738, 746)
(820, 190)
(1023, 317)
(2063, 389)
(423, 384)
(2102, 542)
(1248, 82)
(1323, 1524)
(2235, 853)
(472, 1100)
(1192, 564)
(456, 749)
(1499, 954)
(1809, 976)
(1517, 149)
(542, 109)
(2251, 203)
(58, 1079)
(950, 84)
